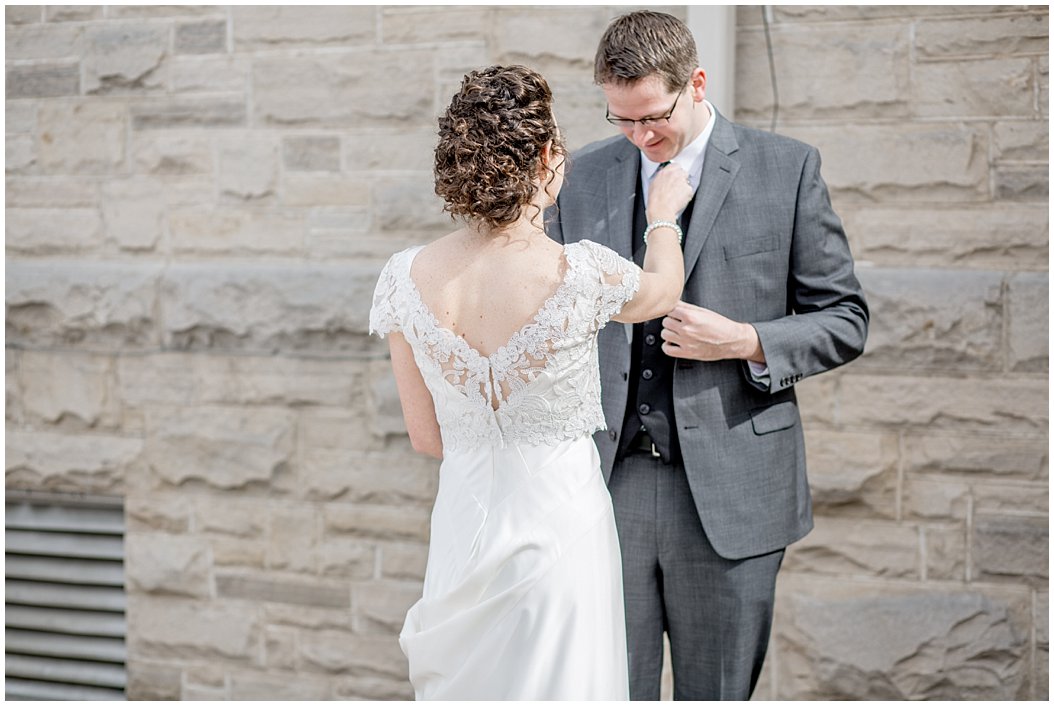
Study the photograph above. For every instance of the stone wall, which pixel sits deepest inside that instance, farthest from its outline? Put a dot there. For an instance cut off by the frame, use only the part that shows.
(198, 202)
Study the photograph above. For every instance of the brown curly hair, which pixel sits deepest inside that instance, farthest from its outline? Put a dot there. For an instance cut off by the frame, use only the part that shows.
(490, 144)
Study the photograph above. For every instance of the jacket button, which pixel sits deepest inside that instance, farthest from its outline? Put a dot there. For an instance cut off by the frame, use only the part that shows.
(650, 339)
(644, 409)
(647, 374)
(612, 434)
(625, 376)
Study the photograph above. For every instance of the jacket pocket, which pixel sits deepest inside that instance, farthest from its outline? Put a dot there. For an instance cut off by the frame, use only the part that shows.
(782, 415)
(751, 246)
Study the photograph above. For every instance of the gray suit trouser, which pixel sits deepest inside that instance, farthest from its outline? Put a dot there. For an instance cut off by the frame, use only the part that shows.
(717, 612)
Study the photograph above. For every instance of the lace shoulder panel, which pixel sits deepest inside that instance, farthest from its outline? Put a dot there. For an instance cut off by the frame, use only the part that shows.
(617, 279)
(387, 310)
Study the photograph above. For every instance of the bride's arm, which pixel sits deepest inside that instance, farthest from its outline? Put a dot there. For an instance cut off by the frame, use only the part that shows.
(418, 410)
(663, 277)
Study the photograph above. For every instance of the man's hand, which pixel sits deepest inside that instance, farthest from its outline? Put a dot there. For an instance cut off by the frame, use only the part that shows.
(693, 332)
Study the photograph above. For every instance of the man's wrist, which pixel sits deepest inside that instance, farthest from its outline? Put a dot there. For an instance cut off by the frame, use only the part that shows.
(750, 345)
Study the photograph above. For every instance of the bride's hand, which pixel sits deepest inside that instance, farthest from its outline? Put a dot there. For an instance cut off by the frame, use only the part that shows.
(668, 194)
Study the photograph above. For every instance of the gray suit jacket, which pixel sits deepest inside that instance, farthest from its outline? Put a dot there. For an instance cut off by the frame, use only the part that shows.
(764, 247)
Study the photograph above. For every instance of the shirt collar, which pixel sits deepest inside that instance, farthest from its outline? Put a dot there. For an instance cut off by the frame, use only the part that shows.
(691, 157)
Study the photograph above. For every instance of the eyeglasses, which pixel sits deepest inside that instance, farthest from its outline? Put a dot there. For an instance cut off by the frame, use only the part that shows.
(628, 124)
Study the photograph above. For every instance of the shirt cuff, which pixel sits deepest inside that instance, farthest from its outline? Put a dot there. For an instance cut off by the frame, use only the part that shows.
(759, 372)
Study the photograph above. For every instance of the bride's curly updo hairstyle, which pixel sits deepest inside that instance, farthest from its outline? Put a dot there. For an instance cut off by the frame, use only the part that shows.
(490, 144)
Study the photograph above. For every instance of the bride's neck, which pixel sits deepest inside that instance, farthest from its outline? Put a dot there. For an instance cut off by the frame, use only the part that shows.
(523, 230)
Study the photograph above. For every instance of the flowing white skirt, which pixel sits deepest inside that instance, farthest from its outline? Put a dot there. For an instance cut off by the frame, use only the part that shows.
(523, 589)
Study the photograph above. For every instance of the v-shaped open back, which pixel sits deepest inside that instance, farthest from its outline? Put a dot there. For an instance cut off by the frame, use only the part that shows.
(543, 384)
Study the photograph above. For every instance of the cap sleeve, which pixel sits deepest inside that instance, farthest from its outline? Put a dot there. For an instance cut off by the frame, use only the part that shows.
(384, 315)
(618, 279)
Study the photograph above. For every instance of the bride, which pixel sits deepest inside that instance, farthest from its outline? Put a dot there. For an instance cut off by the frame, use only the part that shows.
(493, 338)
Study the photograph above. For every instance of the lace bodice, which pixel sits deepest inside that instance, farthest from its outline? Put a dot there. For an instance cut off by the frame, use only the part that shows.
(545, 379)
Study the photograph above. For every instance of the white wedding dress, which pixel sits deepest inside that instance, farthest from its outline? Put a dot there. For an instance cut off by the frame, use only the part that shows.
(523, 587)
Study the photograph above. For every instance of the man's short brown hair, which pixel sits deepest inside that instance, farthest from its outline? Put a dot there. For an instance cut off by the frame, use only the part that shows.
(643, 44)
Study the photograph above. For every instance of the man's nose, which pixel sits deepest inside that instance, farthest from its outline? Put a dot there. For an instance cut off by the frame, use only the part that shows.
(641, 133)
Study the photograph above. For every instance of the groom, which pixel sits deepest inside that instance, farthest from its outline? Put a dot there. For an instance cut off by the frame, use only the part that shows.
(704, 453)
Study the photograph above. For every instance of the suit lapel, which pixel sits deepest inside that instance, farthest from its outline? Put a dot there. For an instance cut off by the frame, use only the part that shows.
(719, 171)
(622, 192)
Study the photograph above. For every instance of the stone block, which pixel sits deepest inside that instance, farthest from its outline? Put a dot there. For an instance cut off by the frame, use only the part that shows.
(830, 88)
(221, 447)
(152, 681)
(43, 80)
(293, 533)
(232, 516)
(53, 231)
(1010, 548)
(373, 689)
(993, 237)
(356, 476)
(552, 46)
(166, 564)
(344, 428)
(218, 73)
(133, 214)
(380, 149)
(20, 117)
(248, 166)
(1024, 183)
(784, 14)
(187, 112)
(162, 153)
(409, 25)
(346, 559)
(853, 473)
(944, 320)
(942, 403)
(330, 651)
(982, 455)
(377, 521)
(267, 306)
(272, 589)
(944, 553)
(70, 463)
(1011, 498)
(403, 560)
(1020, 141)
(980, 88)
(280, 648)
(161, 378)
(311, 153)
(278, 27)
(236, 231)
(57, 192)
(982, 36)
(311, 617)
(1043, 81)
(192, 630)
(23, 14)
(256, 686)
(146, 11)
(937, 643)
(82, 138)
(345, 91)
(851, 547)
(157, 512)
(327, 190)
(383, 404)
(238, 553)
(354, 241)
(68, 303)
(20, 154)
(43, 41)
(816, 398)
(911, 163)
(72, 13)
(380, 606)
(69, 389)
(409, 205)
(124, 58)
(12, 387)
(935, 498)
(203, 37)
(1029, 322)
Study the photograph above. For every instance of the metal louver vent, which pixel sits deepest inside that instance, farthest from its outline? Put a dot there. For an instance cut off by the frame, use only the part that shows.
(64, 598)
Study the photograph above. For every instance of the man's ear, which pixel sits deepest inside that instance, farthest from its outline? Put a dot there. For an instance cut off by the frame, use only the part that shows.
(698, 82)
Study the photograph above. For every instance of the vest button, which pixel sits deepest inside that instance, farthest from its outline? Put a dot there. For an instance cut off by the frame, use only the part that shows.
(644, 409)
(647, 374)
(650, 339)
(612, 434)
